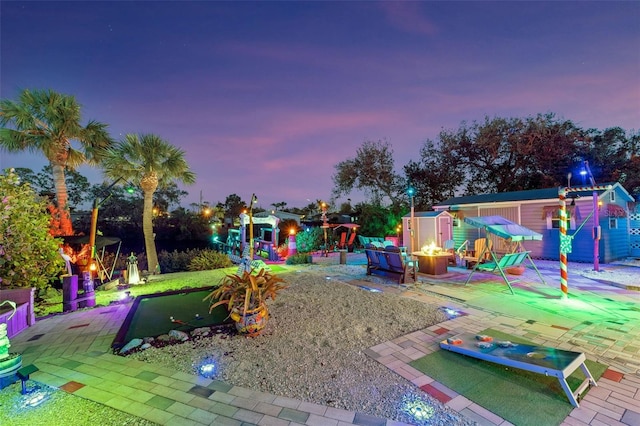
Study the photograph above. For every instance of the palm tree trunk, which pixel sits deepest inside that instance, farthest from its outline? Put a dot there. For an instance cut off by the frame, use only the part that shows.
(147, 229)
(64, 218)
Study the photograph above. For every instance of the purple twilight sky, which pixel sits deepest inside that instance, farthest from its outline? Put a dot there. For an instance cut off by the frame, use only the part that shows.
(267, 97)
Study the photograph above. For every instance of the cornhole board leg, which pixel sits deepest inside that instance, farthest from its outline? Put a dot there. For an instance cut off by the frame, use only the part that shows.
(537, 359)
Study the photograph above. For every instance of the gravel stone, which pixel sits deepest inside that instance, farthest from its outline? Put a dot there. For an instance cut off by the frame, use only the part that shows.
(313, 346)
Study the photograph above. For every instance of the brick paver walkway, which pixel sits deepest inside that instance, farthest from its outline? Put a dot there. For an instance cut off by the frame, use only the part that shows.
(73, 353)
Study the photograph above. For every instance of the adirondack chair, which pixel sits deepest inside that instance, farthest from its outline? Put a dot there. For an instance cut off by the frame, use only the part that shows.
(449, 246)
(343, 239)
(350, 243)
(481, 252)
(507, 261)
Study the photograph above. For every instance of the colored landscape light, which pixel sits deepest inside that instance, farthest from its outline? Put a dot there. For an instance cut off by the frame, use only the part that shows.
(34, 398)
(451, 313)
(419, 409)
(207, 368)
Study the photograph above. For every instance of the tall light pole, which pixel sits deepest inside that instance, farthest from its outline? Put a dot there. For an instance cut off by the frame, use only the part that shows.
(411, 192)
(596, 220)
(324, 227)
(94, 220)
(254, 200)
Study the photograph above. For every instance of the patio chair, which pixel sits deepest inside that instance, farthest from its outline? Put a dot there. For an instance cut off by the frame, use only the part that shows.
(449, 246)
(481, 252)
(350, 243)
(343, 240)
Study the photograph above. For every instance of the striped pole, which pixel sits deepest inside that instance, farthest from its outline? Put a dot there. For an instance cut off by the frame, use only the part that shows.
(565, 240)
(564, 276)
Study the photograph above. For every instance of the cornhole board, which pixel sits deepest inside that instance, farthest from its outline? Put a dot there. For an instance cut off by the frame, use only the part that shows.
(538, 359)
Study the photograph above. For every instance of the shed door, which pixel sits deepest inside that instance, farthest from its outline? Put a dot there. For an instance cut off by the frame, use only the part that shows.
(445, 229)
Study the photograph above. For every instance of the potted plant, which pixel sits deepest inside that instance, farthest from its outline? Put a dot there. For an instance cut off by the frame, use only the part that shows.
(245, 296)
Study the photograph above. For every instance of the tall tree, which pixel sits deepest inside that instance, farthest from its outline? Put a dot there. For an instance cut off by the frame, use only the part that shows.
(234, 206)
(48, 122)
(500, 155)
(42, 182)
(151, 162)
(372, 171)
(281, 205)
(434, 177)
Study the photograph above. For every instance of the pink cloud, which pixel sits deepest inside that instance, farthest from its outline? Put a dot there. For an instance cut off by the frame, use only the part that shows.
(408, 16)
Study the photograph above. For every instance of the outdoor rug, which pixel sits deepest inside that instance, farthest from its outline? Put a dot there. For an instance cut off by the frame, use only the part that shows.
(520, 397)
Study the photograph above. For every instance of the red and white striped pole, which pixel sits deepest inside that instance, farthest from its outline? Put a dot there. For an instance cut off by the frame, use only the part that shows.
(564, 275)
(565, 240)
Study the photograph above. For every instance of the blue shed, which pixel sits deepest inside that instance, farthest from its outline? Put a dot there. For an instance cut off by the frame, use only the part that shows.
(538, 210)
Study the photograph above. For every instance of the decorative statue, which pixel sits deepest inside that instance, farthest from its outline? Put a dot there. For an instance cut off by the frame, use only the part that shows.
(133, 276)
(4, 340)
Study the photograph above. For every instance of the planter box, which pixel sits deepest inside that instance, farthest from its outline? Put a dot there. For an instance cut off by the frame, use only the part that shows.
(25, 315)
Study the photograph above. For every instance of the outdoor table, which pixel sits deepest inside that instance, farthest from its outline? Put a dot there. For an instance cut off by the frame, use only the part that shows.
(432, 264)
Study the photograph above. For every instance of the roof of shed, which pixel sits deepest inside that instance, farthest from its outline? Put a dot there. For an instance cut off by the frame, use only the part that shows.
(529, 195)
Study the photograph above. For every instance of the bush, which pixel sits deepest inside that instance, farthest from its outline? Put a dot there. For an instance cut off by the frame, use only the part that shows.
(310, 240)
(298, 259)
(209, 259)
(29, 255)
(176, 261)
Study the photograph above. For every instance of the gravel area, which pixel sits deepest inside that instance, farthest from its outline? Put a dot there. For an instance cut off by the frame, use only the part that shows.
(313, 347)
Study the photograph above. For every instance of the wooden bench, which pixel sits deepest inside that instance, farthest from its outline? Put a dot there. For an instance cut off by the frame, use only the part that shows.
(388, 261)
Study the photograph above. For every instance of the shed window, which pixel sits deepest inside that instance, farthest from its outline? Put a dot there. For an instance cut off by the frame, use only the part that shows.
(551, 214)
(612, 196)
(613, 223)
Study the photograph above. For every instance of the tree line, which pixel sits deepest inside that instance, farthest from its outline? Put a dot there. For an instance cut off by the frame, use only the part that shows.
(494, 155)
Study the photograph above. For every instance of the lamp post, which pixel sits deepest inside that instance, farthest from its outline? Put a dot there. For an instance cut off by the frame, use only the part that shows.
(94, 219)
(324, 227)
(596, 220)
(254, 200)
(411, 192)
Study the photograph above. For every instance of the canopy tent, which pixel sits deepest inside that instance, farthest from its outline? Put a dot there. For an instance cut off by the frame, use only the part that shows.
(101, 243)
(504, 228)
(508, 230)
(84, 239)
(348, 226)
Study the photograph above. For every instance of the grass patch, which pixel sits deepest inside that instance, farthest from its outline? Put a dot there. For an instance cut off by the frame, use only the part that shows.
(520, 397)
(52, 302)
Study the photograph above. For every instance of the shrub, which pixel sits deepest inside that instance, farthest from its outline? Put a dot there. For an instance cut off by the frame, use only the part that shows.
(29, 255)
(298, 259)
(176, 261)
(310, 240)
(209, 259)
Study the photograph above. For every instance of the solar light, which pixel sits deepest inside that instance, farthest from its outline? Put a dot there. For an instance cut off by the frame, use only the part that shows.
(417, 408)
(23, 375)
(207, 368)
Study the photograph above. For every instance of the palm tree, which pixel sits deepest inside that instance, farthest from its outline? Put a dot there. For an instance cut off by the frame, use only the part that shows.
(47, 122)
(151, 162)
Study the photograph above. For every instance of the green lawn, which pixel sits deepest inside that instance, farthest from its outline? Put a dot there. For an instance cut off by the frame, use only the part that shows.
(157, 284)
